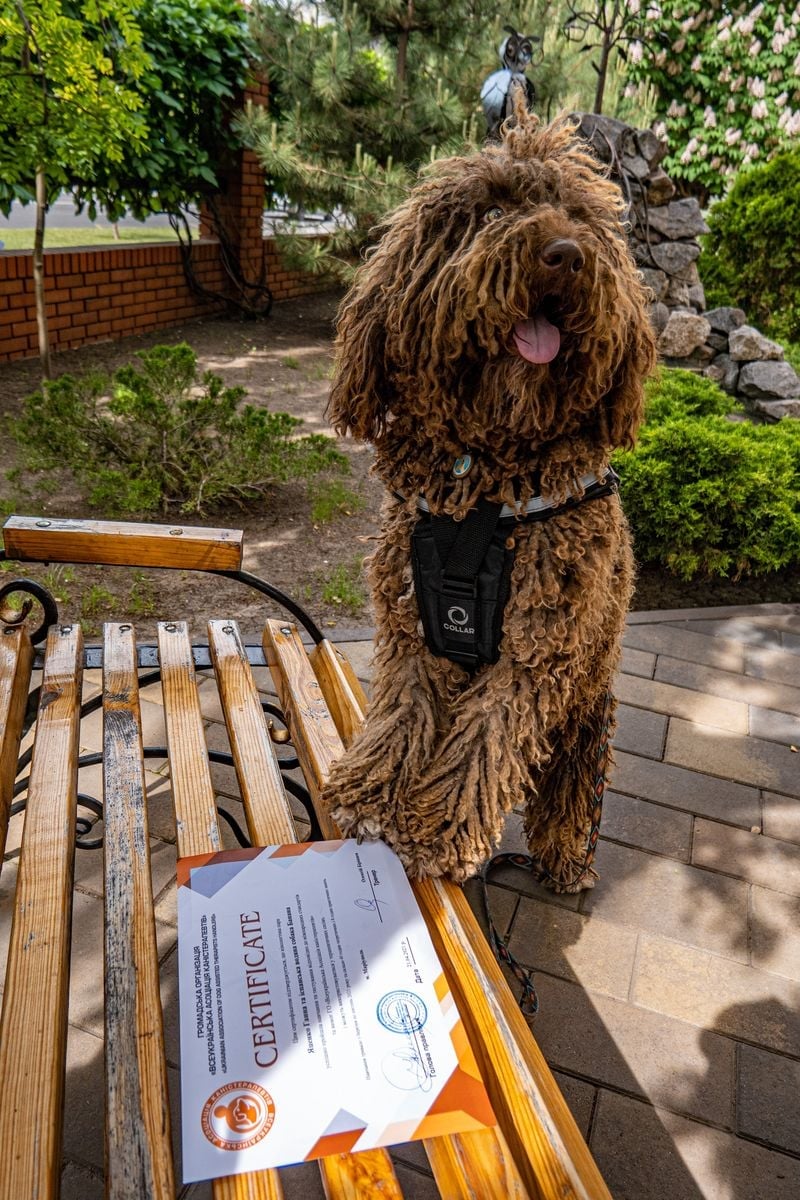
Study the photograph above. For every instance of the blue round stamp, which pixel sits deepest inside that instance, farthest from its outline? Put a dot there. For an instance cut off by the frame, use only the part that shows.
(402, 1012)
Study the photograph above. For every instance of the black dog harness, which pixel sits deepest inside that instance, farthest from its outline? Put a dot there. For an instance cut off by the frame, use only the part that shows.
(462, 570)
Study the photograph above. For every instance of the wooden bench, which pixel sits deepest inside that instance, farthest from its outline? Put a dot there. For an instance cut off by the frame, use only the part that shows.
(536, 1150)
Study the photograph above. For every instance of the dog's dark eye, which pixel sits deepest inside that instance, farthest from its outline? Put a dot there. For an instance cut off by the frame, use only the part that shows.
(494, 213)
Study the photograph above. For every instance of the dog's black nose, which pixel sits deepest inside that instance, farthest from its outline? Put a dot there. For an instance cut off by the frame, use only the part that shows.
(562, 253)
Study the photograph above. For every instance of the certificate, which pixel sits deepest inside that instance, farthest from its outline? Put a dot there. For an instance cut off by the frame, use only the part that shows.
(314, 1014)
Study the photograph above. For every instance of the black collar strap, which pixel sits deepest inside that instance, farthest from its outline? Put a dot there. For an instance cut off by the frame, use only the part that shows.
(539, 509)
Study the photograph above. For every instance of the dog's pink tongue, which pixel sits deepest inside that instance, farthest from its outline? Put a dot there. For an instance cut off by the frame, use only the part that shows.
(537, 340)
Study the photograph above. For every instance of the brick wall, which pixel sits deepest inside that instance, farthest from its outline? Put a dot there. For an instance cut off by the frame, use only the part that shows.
(98, 295)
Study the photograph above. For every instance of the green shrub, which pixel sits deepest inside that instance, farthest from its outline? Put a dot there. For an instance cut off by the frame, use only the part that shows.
(156, 437)
(674, 393)
(751, 256)
(707, 496)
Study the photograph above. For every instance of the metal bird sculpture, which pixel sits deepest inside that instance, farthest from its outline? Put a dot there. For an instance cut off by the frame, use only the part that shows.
(499, 89)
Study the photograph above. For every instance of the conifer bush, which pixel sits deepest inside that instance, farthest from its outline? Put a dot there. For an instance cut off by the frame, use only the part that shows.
(158, 437)
(706, 496)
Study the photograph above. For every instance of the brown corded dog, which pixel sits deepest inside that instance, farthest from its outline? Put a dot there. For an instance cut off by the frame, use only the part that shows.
(499, 325)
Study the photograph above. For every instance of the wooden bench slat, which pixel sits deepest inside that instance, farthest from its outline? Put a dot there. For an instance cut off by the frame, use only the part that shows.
(304, 699)
(526, 1098)
(33, 1028)
(269, 821)
(138, 1141)
(340, 687)
(16, 658)
(196, 819)
(269, 817)
(123, 543)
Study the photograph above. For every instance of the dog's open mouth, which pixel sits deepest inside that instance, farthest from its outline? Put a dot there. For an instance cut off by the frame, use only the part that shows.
(538, 340)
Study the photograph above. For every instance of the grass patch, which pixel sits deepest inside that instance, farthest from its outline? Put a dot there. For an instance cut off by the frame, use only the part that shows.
(343, 587)
(291, 364)
(331, 498)
(90, 235)
(142, 598)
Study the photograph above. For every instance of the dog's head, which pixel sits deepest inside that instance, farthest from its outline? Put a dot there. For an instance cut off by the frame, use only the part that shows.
(501, 300)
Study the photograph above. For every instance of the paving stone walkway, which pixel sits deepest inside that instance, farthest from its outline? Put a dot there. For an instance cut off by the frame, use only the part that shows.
(670, 994)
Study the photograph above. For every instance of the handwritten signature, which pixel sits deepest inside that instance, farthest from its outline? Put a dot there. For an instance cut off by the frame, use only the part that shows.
(405, 1068)
(371, 904)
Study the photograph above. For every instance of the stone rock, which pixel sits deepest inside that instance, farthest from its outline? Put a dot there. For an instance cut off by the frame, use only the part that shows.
(776, 410)
(697, 296)
(769, 381)
(656, 281)
(724, 371)
(603, 133)
(688, 274)
(719, 341)
(725, 319)
(674, 256)
(748, 345)
(684, 333)
(660, 188)
(696, 361)
(634, 164)
(679, 219)
(677, 294)
(642, 254)
(651, 147)
(659, 315)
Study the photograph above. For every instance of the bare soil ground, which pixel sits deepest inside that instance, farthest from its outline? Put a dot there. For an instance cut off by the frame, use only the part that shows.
(284, 363)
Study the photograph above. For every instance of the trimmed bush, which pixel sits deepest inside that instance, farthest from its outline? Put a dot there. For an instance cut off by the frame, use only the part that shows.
(156, 437)
(751, 256)
(706, 496)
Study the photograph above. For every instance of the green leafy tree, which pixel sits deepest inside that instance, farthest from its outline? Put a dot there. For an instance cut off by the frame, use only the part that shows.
(727, 80)
(198, 53)
(63, 107)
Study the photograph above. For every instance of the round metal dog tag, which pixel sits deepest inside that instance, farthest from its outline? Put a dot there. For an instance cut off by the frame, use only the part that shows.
(462, 466)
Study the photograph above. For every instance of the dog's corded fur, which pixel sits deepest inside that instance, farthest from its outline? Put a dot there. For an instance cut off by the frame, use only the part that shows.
(427, 370)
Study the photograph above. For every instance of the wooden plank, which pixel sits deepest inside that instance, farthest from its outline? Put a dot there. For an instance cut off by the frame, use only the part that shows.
(124, 543)
(269, 821)
(196, 819)
(16, 657)
(269, 817)
(33, 1028)
(460, 1168)
(341, 688)
(138, 1139)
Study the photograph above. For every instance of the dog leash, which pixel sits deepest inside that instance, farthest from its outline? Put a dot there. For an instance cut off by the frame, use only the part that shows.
(529, 1000)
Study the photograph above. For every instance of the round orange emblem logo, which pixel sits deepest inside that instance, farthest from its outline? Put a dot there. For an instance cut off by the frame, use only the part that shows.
(237, 1115)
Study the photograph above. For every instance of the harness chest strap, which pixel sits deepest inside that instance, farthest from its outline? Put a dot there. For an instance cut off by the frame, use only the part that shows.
(462, 570)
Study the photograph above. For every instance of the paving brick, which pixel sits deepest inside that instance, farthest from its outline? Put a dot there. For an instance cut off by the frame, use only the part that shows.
(89, 866)
(780, 665)
(84, 1098)
(301, 1182)
(81, 1183)
(637, 662)
(748, 630)
(682, 702)
(775, 932)
(722, 653)
(640, 731)
(782, 817)
(502, 905)
(648, 826)
(768, 1087)
(615, 1044)
(160, 809)
(717, 993)
(669, 898)
(727, 684)
(646, 1153)
(775, 726)
(746, 759)
(595, 953)
(580, 1098)
(686, 789)
(752, 856)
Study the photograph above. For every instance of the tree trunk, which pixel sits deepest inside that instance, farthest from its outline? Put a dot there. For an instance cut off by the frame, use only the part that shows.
(38, 272)
(402, 51)
(602, 71)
